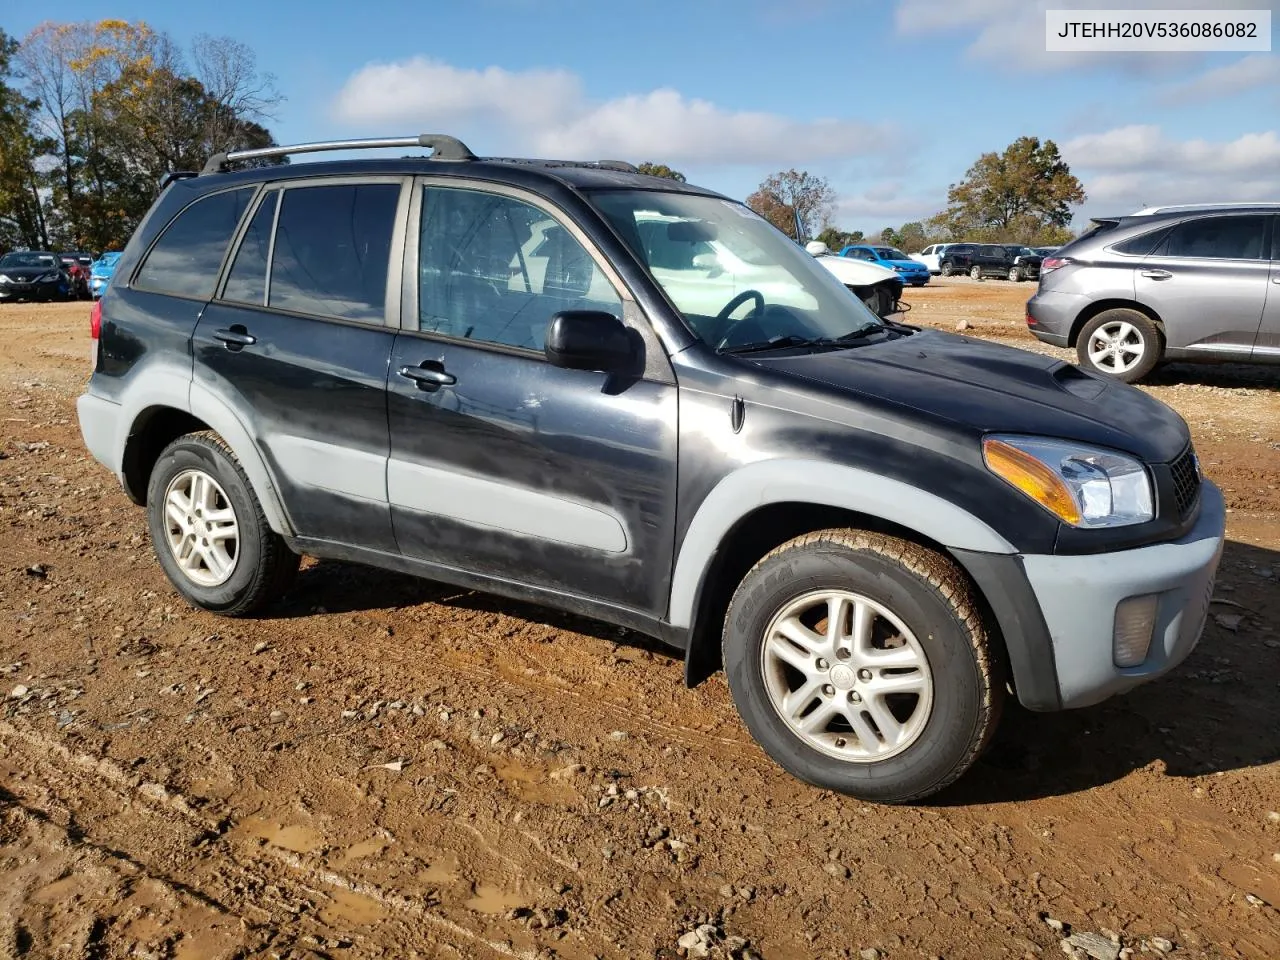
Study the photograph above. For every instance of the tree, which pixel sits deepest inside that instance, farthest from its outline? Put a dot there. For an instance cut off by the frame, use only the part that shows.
(890, 237)
(1014, 196)
(22, 214)
(660, 170)
(837, 239)
(784, 195)
(912, 237)
(239, 96)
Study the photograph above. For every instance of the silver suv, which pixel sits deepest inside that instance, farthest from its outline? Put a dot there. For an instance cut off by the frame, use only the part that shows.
(1166, 283)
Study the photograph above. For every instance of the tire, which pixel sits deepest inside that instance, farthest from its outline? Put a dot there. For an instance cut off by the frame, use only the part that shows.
(253, 567)
(922, 604)
(876, 299)
(945, 270)
(1015, 274)
(1120, 343)
(975, 272)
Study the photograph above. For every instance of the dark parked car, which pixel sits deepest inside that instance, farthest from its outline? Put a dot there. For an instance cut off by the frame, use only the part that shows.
(1026, 262)
(978, 260)
(489, 372)
(33, 275)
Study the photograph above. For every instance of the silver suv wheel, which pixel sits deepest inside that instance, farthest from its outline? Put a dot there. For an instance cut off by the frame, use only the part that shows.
(201, 528)
(1116, 347)
(847, 676)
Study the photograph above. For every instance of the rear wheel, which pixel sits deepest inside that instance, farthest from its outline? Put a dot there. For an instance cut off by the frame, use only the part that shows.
(859, 663)
(946, 270)
(1015, 274)
(209, 532)
(975, 272)
(1120, 343)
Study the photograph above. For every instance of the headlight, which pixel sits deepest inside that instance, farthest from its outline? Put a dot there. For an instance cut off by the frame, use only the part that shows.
(1083, 486)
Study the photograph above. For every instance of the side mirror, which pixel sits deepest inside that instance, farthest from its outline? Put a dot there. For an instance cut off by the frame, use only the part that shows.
(588, 340)
(817, 248)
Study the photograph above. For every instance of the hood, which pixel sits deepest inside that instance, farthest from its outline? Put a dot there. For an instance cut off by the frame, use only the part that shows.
(912, 265)
(856, 272)
(992, 388)
(26, 274)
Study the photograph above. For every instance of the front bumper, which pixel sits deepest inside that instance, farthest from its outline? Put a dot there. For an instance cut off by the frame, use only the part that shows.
(31, 291)
(1078, 597)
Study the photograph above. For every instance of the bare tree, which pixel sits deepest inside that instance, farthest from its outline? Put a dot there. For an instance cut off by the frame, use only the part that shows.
(237, 90)
(45, 58)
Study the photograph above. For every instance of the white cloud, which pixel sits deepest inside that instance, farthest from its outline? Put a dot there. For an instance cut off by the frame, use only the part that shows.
(547, 112)
(1011, 33)
(1248, 73)
(885, 204)
(1129, 167)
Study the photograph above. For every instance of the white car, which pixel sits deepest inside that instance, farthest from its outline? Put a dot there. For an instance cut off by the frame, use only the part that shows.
(876, 286)
(931, 256)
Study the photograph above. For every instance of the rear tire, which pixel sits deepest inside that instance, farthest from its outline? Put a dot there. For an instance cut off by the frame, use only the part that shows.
(945, 270)
(975, 272)
(209, 532)
(894, 704)
(1015, 275)
(1120, 343)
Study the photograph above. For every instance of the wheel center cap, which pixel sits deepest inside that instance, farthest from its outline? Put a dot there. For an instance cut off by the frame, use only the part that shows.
(843, 677)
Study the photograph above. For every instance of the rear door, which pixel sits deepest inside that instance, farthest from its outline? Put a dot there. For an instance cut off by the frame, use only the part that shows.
(1267, 344)
(1207, 281)
(298, 340)
(503, 465)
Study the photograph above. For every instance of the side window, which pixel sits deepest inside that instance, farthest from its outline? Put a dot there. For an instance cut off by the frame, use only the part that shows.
(495, 269)
(1142, 244)
(186, 258)
(861, 254)
(332, 248)
(1218, 238)
(247, 282)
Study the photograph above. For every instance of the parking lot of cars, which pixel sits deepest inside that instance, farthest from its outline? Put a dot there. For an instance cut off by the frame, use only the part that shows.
(383, 760)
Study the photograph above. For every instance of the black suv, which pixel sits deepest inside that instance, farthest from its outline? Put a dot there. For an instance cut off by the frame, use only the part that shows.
(636, 400)
(980, 260)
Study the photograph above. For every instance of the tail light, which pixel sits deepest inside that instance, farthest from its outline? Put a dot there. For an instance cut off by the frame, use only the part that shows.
(1053, 263)
(95, 320)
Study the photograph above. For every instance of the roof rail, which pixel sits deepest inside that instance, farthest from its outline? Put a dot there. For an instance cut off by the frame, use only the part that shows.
(174, 175)
(442, 147)
(620, 165)
(1171, 208)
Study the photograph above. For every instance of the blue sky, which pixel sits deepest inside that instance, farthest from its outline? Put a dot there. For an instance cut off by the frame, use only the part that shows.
(891, 101)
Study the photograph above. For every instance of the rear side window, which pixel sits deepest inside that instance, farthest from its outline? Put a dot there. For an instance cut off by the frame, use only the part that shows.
(186, 259)
(1142, 244)
(1217, 238)
(248, 280)
(332, 248)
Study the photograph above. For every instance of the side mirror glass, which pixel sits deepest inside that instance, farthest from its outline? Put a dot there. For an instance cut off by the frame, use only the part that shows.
(588, 340)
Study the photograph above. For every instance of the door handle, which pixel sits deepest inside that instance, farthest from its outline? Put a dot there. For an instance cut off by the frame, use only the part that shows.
(1157, 274)
(1275, 279)
(235, 338)
(427, 378)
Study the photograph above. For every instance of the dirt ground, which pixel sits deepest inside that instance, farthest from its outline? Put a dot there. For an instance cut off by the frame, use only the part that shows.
(384, 767)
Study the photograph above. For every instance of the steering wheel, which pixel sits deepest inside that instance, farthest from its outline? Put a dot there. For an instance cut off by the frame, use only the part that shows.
(739, 300)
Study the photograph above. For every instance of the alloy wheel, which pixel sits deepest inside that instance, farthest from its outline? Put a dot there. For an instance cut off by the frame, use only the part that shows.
(1116, 347)
(201, 528)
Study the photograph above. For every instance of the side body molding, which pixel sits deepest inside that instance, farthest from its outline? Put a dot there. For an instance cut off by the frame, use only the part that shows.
(805, 481)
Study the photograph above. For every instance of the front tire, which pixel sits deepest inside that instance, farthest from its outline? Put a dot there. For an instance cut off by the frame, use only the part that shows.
(1122, 344)
(209, 532)
(975, 272)
(1015, 275)
(860, 664)
(946, 270)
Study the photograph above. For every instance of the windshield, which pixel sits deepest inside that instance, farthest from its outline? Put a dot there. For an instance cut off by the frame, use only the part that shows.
(890, 253)
(735, 278)
(28, 260)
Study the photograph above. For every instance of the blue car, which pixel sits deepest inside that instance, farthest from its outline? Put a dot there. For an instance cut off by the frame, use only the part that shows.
(913, 272)
(100, 272)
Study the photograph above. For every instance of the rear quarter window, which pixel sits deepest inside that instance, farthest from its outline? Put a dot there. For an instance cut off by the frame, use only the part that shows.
(1142, 244)
(186, 259)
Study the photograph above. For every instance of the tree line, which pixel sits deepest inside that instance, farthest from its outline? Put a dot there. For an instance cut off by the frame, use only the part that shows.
(94, 114)
(1023, 195)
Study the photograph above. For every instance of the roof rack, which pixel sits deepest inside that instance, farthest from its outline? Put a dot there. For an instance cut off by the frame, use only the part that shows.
(620, 165)
(442, 147)
(1171, 208)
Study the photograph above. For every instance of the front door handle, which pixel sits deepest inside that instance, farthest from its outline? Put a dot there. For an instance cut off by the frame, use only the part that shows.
(235, 338)
(428, 378)
(1157, 274)
(1275, 279)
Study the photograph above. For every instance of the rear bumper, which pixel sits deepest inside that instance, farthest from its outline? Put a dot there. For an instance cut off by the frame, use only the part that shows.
(1051, 315)
(99, 422)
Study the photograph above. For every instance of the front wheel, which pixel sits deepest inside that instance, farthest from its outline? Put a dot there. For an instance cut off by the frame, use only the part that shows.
(859, 662)
(946, 270)
(1015, 274)
(1121, 343)
(209, 532)
(975, 272)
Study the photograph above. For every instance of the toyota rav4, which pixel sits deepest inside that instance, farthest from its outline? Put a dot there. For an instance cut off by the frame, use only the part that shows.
(636, 400)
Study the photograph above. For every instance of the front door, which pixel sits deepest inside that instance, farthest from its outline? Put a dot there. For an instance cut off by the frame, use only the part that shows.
(501, 464)
(1267, 345)
(298, 340)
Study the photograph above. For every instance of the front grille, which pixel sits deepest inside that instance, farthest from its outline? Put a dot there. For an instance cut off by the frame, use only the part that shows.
(1186, 481)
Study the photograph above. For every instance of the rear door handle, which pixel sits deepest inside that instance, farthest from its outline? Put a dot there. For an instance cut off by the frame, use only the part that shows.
(427, 378)
(1157, 274)
(236, 337)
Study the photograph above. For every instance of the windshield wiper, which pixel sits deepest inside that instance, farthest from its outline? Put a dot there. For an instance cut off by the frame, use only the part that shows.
(861, 331)
(779, 343)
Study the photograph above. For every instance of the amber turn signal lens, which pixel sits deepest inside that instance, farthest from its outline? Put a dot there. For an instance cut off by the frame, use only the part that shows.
(1031, 477)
